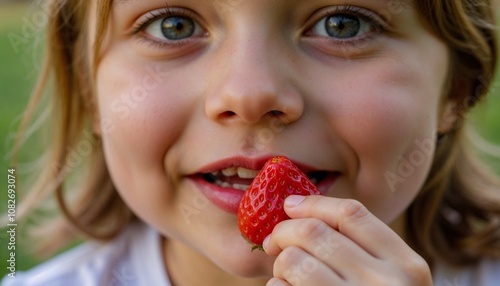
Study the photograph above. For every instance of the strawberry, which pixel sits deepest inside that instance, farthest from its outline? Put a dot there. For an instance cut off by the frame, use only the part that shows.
(261, 207)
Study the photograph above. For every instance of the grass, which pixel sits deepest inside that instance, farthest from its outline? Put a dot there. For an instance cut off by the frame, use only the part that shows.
(17, 76)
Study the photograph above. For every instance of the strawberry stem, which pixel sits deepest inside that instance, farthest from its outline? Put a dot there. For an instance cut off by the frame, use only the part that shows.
(259, 247)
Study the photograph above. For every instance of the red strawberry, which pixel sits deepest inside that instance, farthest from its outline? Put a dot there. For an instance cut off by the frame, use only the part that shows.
(261, 207)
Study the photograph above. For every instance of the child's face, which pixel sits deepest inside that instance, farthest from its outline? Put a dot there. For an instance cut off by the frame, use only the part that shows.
(352, 91)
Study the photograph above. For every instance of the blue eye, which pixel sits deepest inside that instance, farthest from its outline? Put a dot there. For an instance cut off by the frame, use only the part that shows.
(343, 26)
(173, 28)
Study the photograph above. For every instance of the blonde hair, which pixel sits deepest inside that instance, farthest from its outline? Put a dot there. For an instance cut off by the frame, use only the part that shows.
(97, 212)
(456, 216)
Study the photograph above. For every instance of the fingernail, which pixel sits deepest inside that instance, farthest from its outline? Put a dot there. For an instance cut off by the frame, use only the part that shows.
(293, 201)
(265, 243)
(275, 282)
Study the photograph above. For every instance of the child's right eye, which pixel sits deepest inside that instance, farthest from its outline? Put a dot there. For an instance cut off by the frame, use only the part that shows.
(169, 26)
(173, 28)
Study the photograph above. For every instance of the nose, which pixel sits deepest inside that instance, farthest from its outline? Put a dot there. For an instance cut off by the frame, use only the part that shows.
(250, 83)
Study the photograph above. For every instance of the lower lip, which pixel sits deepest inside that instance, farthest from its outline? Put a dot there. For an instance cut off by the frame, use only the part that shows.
(225, 198)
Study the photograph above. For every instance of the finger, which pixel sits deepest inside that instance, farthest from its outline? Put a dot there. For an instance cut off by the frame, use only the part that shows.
(353, 220)
(329, 246)
(277, 282)
(298, 267)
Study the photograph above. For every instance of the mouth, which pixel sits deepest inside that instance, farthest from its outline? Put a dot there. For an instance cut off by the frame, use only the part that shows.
(223, 183)
(240, 178)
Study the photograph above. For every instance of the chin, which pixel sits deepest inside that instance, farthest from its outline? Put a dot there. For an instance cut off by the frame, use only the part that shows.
(243, 262)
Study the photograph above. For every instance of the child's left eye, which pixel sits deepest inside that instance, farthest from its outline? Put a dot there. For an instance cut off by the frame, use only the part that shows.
(341, 26)
(347, 23)
(173, 28)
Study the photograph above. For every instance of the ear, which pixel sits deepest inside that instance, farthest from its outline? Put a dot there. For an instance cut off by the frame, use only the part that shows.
(96, 120)
(96, 126)
(94, 114)
(449, 117)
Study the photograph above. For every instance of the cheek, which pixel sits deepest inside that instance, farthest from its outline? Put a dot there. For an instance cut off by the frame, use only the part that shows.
(387, 116)
(140, 120)
(383, 110)
(391, 122)
(400, 118)
(392, 107)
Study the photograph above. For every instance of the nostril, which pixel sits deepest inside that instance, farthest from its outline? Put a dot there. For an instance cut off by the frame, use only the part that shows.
(227, 114)
(277, 113)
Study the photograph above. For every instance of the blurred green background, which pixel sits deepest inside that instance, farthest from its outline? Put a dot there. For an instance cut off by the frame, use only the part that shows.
(18, 69)
(19, 64)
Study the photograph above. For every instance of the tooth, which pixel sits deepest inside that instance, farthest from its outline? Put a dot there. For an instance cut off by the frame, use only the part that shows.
(226, 185)
(247, 173)
(215, 173)
(228, 172)
(240, 187)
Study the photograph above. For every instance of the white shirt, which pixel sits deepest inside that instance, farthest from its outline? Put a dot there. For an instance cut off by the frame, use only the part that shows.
(135, 258)
(485, 273)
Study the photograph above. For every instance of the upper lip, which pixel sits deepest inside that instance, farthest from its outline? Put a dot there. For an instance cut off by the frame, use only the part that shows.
(248, 163)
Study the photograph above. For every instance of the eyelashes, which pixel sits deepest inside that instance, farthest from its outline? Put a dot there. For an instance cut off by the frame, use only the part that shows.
(352, 17)
(154, 15)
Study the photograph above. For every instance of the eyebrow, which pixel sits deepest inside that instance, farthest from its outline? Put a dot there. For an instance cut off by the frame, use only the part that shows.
(126, 2)
(122, 2)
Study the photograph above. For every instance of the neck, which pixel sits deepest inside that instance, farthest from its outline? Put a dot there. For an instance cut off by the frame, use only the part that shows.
(188, 267)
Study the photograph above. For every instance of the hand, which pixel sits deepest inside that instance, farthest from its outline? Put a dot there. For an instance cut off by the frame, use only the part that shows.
(333, 241)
